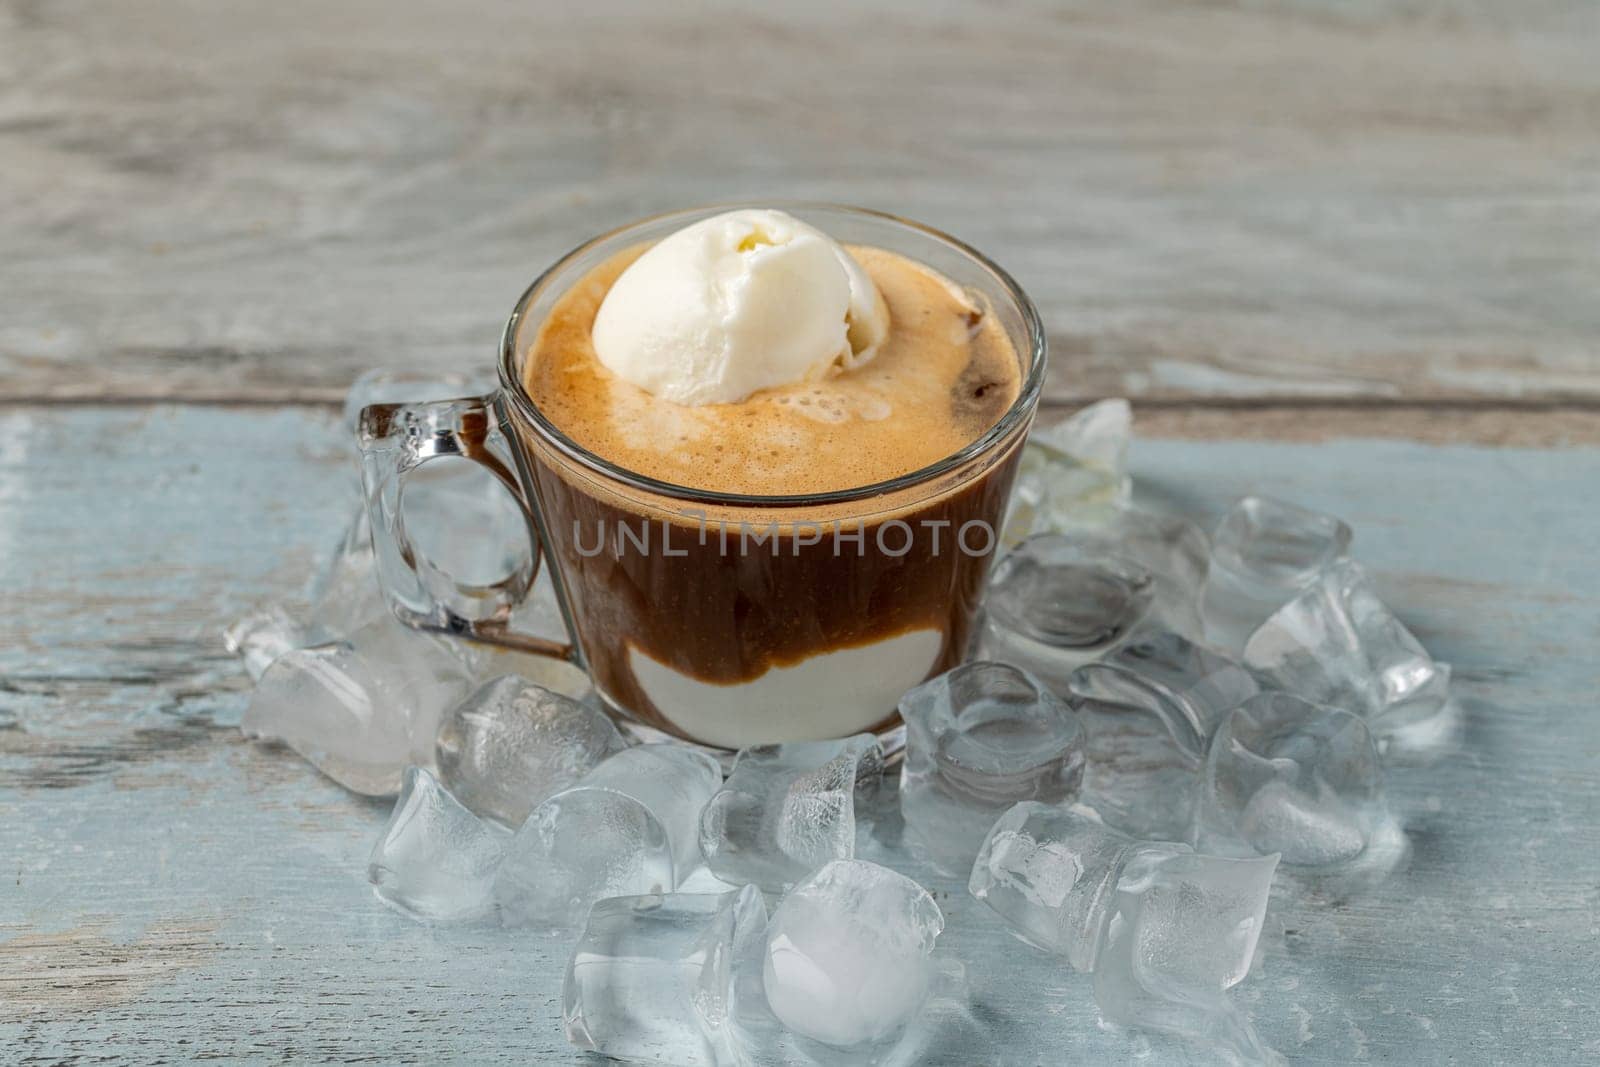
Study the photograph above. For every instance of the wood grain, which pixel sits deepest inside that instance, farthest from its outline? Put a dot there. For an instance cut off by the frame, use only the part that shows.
(225, 201)
(1520, 426)
(169, 891)
(1333, 251)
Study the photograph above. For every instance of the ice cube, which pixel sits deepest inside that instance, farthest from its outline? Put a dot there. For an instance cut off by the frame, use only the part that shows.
(1198, 684)
(629, 826)
(1194, 919)
(580, 846)
(1095, 436)
(1049, 870)
(1336, 643)
(847, 957)
(1183, 930)
(1147, 710)
(979, 738)
(1263, 552)
(1288, 776)
(651, 978)
(674, 782)
(1138, 776)
(435, 860)
(262, 636)
(1165, 931)
(1055, 602)
(361, 709)
(787, 809)
(345, 595)
(325, 703)
(511, 744)
(1072, 472)
(1058, 601)
(429, 670)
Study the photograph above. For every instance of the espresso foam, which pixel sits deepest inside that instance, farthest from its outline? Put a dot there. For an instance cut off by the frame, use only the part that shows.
(945, 374)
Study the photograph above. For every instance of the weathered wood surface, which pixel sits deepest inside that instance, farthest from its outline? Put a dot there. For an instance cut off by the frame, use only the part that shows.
(1302, 199)
(169, 892)
(1289, 230)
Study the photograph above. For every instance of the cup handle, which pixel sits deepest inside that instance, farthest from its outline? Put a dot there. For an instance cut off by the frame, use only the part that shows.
(395, 440)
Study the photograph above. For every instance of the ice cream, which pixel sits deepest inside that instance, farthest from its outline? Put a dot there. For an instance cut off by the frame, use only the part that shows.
(736, 303)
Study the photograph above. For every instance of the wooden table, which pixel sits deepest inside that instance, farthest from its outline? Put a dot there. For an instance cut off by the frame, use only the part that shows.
(1343, 254)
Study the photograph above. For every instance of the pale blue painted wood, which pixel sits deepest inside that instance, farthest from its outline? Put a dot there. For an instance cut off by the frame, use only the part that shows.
(170, 892)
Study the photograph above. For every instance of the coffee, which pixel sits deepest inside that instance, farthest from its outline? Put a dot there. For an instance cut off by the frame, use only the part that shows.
(945, 374)
(746, 622)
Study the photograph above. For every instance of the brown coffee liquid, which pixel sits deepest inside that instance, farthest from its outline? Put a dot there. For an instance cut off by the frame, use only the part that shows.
(945, 374)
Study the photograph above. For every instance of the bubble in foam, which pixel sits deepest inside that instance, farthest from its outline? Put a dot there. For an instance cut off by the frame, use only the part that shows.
(820, 406)
(832, 406)
(872, 408)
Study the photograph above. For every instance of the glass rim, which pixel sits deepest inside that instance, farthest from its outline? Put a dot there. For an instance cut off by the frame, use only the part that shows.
(1020, 409)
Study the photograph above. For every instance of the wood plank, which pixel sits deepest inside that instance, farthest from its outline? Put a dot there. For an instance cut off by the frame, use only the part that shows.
(1292, 200)
(170, 891)
(1537, 426)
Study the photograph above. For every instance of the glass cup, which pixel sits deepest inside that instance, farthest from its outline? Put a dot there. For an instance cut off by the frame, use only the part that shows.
(719, 618)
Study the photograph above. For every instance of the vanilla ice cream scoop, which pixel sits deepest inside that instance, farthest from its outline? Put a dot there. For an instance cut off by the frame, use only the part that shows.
(736, 303)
